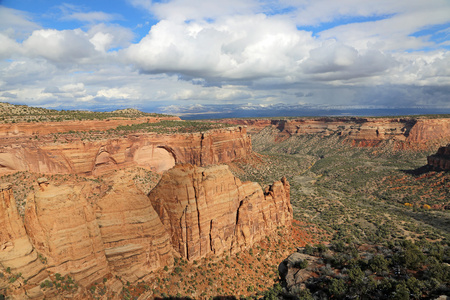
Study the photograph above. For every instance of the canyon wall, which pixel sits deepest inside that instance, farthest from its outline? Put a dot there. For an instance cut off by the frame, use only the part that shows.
(88, 232)
(403, 133)
(157, 152)
(440, 160)
(63, 228)
(134, 238)
(17, 254)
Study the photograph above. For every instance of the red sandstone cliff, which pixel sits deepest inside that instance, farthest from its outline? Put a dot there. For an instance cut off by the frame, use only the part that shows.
(208, 210)
(16, 250)
(89, 231)
(63, 228)
(411, 133)
(134, 238)
(253, 125)
(157, 152)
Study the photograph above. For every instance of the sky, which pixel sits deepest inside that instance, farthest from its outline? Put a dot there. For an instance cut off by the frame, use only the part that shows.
(238, 57)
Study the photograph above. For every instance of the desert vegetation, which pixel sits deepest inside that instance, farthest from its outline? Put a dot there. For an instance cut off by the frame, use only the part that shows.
(395, 270)
(171, 127)
(374, 203)
(10, 113)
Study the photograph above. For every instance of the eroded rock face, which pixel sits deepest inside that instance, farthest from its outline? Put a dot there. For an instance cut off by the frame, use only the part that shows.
(440, 160)
(63, 227)
(156, 152)
(16, 251)
(134, 238)
(209, 211)
(404, 133)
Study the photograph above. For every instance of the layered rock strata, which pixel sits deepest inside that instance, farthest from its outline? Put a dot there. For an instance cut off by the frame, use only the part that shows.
(42, 128)
(157, 152)
(89, 231)
(404, 133)
(440, 160)
(63, 228)
(134, 238)
(17, 254)
(209, 211)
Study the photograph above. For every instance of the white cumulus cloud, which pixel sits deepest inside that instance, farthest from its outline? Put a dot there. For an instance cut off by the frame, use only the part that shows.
(234, 48)
(66, 46)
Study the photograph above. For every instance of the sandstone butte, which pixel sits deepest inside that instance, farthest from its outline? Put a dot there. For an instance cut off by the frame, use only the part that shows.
(153, 151)
(87, 233)
(403, 133)
(440, 160)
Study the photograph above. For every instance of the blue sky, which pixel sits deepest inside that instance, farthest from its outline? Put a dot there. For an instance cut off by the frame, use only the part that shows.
(193, 56)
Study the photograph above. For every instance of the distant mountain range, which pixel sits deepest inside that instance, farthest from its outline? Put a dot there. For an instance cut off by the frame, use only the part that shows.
(284, 110)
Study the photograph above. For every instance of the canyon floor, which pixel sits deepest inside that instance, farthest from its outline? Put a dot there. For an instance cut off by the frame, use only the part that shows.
(361, 197)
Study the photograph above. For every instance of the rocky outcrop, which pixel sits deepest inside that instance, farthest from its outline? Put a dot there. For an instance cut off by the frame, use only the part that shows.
(209, 211)
(293, 272)
(403, 133)
(90, 231)
(157, 152)
(440, 160)
(429, 130)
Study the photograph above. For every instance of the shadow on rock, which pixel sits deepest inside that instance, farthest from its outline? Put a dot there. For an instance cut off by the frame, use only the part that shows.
(420, 171)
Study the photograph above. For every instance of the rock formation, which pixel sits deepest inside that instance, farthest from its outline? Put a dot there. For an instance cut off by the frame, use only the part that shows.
(63, 228)
(157, 152)
(17, 254)
(89, 230)
(135, 240)
(403, 133)
(208, 210)
(440, 160)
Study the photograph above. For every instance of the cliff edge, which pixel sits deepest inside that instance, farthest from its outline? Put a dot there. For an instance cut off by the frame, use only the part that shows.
(149, 150)
(403, 133)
